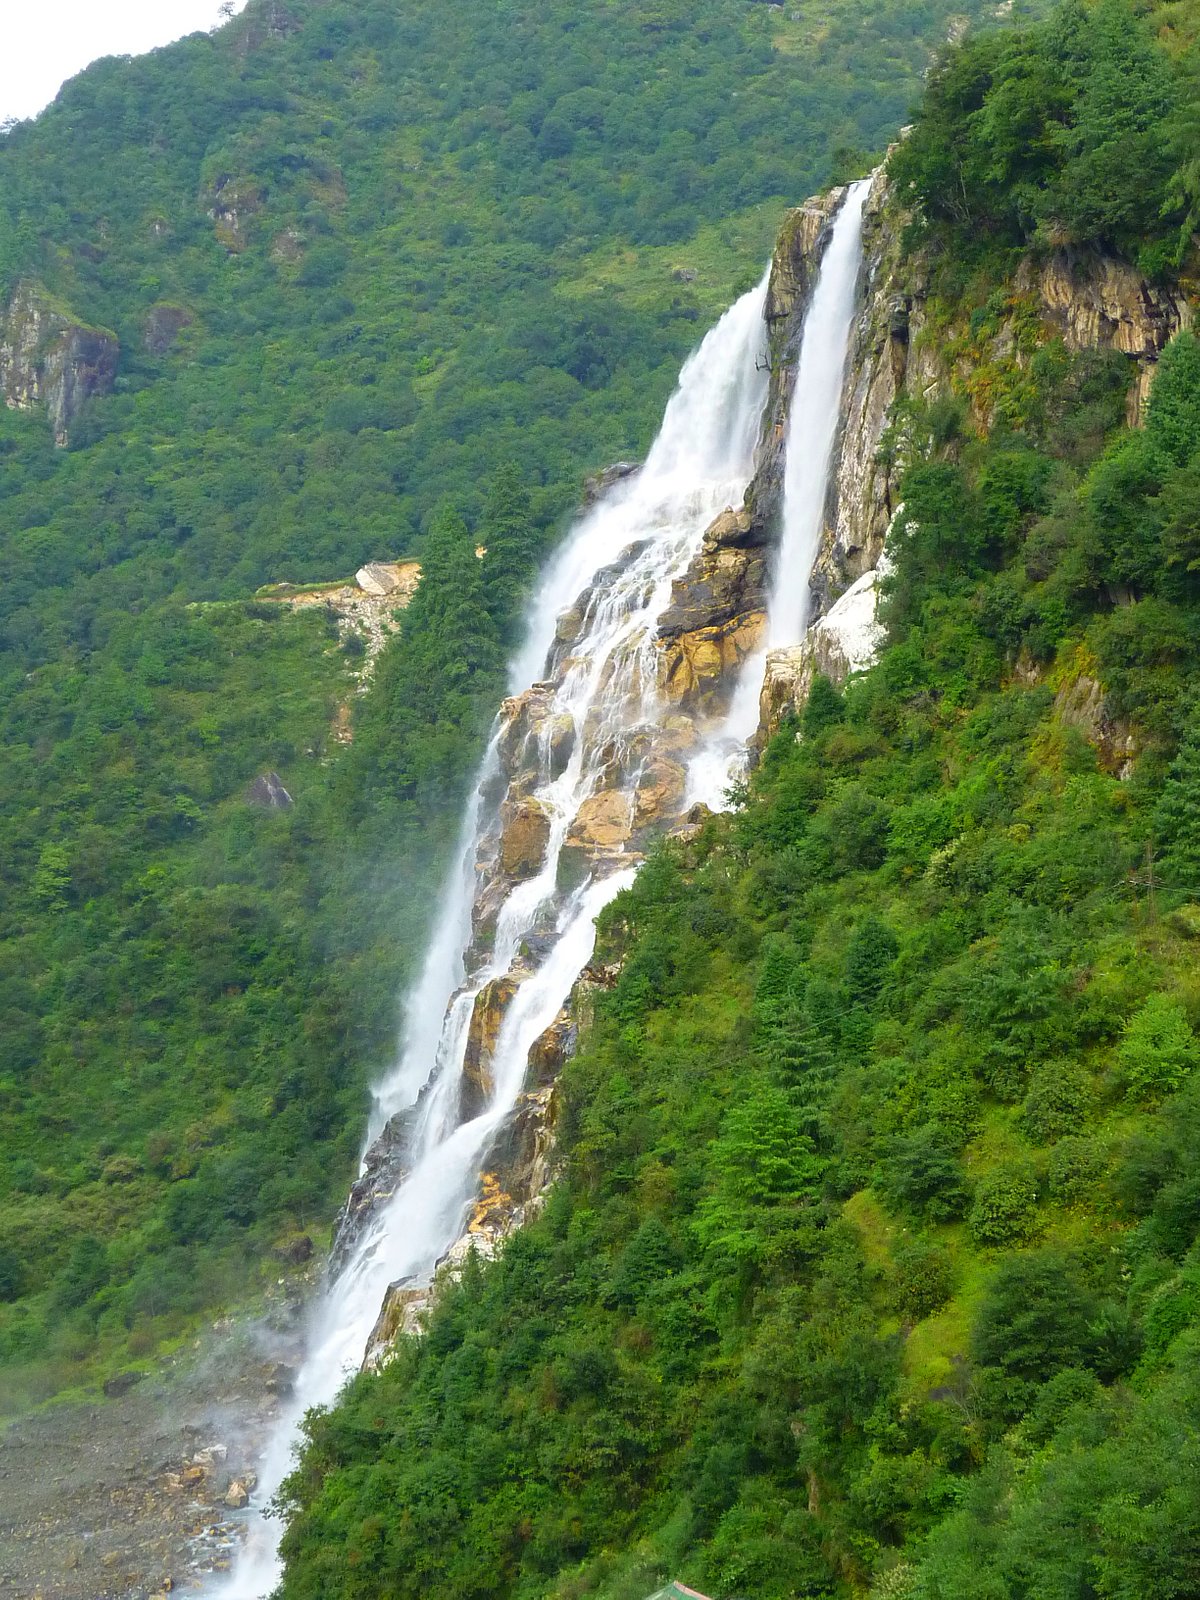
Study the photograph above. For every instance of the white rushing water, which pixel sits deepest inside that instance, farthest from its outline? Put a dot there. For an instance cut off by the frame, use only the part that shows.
(813, 421)
(613, 575)
(812, 431)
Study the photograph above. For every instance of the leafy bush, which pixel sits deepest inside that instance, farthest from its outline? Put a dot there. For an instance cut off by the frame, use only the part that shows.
(1004, 1210)
(1158, 1049)
(923, 1172)
(1058, 1101)
(922, 1281)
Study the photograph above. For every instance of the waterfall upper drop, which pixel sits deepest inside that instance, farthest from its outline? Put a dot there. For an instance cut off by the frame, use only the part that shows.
(813, 420)
(809, 451)
(586, 760)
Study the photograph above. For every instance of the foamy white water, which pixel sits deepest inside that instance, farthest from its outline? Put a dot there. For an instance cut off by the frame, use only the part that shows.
(613, 576)
(812, 430)
(813, 421)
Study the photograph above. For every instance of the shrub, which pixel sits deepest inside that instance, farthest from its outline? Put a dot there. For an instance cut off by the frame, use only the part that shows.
(869, 959)
(923, 1172)
(1005, 1207)
(923, 1279)
(1076, 1167)
(1059, 1097)
(1158, 1049)
(1173, 415)
(1033, 1321)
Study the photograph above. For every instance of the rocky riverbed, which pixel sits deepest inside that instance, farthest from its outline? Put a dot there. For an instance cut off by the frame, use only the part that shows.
(141, 1493)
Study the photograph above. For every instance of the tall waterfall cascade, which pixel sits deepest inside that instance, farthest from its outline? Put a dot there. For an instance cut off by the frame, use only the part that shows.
(813, 421)
(595, 750)
(812, 431)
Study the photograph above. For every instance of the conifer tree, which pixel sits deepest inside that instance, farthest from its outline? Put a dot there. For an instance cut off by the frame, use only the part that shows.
(1177, 816)
(507, 533)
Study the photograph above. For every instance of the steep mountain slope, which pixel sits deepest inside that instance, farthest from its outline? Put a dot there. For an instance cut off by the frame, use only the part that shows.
(869, 1267)
(267, 299)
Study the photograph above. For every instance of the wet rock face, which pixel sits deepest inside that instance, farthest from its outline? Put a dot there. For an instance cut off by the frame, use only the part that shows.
(794, 268)
(551, 1049)
(602, 823)
(717, 614)
(51, 359)
(526, 832)
(385, 1167)
(532, 733)
(886, 354)
(659, 792)
(487, 1018)
(598, 485)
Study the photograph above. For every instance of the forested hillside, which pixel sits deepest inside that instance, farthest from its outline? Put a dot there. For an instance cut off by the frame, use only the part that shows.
(365, 271)
(872, 1267)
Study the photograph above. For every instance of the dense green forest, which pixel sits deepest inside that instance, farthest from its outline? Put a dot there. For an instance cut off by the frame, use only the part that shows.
(873, 1267)
(387, 280)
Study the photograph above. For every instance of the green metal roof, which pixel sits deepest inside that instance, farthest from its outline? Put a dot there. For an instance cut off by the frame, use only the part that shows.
(678, 1591)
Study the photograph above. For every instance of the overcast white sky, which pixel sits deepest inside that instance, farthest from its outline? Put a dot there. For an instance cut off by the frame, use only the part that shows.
(45, 42)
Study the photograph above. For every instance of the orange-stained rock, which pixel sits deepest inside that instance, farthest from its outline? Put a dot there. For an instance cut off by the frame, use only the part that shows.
(487, 1016)
(523, 841)
(659, 792)
(493, 1210)
(602, 823)
(696, 669)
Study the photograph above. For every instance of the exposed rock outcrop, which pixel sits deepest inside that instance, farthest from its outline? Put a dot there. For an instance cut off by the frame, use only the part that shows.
(232, 202)
(401, 1313)
(526, 824)
(520, 1168)
(163, 324)
(887, 353)
(717, 613)
(1089, 300)
(530, 728)
(397, 579)
(1081, 704)
(50, 358)
(268, 791)
(384, 1168)
(845, 640)
(487, 1018)
(366, 611)
(794, 268)
(1100, 302)
(598, 485)
(602, 823)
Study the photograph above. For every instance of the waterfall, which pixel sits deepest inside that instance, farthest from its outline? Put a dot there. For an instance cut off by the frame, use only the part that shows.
(570, 759)
(813, 421)
(578, 745)
(811, 434)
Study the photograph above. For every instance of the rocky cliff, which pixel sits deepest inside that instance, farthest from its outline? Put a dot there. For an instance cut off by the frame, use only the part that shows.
(50, 358)
(715, 622)
(904, 346)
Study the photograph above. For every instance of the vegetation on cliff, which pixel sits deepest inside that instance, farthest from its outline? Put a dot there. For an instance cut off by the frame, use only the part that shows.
(358, 258)
(872, 1265)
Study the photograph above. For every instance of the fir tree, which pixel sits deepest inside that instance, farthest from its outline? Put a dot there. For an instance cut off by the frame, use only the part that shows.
(1177, 816)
